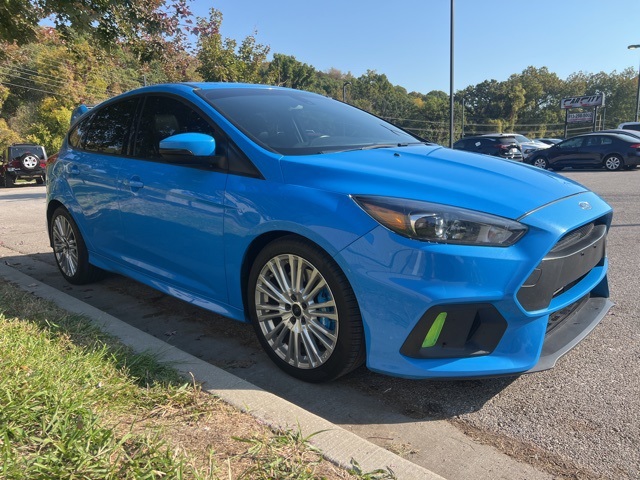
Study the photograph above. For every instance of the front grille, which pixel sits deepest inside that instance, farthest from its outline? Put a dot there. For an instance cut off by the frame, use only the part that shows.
(573, 237)
(568, 262)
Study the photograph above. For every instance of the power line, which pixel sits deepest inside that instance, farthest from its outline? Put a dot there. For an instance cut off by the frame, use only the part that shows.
(30, 88)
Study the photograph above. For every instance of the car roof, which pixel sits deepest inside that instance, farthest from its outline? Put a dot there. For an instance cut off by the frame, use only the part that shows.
(633, 133)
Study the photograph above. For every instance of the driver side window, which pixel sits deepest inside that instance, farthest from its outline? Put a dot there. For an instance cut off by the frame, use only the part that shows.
(163, 117)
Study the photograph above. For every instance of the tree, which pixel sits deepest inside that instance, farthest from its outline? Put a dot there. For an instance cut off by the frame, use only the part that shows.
(221, 60)
(105, 20)
(286, 71)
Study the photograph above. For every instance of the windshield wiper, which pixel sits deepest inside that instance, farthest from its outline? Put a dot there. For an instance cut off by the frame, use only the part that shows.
(373, 147)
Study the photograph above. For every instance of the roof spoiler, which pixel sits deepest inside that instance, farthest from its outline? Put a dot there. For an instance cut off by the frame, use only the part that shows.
(79, 111)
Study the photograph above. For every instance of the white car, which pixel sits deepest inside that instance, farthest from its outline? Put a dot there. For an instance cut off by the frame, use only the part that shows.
(629, 126)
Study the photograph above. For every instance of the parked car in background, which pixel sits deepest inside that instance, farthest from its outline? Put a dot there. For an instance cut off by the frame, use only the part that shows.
(23, 161)
(632, 133)
(548, 141)
(527, 146)
(498, 145)
(339, 236)
(630, 126)
(612, 151)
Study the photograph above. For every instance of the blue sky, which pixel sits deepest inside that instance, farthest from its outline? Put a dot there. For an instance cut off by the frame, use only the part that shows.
(408, 40)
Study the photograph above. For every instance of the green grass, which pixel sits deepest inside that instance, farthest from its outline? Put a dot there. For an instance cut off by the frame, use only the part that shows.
(77, 404)
(63, 385)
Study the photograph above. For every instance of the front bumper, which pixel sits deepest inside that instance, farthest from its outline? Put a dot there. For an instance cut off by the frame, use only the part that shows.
(502, 331)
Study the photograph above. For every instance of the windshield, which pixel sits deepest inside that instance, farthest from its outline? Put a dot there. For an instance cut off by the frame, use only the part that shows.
(522, 139)
(293, 122)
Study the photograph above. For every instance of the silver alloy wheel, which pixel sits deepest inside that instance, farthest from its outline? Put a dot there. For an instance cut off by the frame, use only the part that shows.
(296, 311)
(65, 246)
(540, 163)
(30, 162)
(613, 162)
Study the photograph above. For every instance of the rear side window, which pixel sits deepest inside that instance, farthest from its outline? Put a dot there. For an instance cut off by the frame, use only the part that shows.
(77, 133)
(108, 128)
(632, 126)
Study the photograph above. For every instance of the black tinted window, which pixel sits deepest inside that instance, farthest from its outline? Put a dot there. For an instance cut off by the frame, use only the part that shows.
(17, 152)
(76, 135)
(163, 117)
(293, 122)
(109, 127)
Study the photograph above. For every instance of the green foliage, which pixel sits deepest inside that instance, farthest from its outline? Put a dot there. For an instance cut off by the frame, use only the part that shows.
(286, 71)
(61, 381)
(221, 60)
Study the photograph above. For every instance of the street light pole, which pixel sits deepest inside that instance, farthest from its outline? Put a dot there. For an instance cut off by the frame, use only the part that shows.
(633, 47)
(344, 91)
(451, 83)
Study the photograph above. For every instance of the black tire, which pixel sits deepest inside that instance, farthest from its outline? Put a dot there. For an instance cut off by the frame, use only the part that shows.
(540, 162)
(613, 162)
(9, 181)
(70, 251)
(287, 320)
(29, 161)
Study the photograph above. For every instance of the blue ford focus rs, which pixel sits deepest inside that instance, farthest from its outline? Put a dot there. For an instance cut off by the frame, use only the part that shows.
(339, 236)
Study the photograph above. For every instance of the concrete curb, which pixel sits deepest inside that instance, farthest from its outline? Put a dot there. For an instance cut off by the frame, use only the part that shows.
(337, 444)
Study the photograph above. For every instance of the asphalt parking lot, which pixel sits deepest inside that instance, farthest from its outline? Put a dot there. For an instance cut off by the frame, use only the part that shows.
(579, 420)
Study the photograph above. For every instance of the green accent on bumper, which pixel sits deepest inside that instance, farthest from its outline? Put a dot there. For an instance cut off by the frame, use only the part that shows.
(434, 332)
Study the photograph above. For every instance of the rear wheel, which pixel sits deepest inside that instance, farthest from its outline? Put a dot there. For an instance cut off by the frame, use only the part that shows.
(613, 162)
(304, 311)
(540, 162)
(70, 250)
(9, 181)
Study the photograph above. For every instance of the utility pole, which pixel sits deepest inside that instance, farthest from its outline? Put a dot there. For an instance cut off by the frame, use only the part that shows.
(451, 83)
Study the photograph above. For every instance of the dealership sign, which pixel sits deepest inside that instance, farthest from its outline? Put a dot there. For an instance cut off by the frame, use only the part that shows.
(585, 101)
(584, 117)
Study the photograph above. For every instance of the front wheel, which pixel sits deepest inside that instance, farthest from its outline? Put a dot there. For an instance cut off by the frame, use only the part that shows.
(70, 250)
(304, 311)
(613, 163)
(540, 162)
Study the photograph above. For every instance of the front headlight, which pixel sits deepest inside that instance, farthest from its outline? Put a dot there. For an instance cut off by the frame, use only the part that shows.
(432, 222)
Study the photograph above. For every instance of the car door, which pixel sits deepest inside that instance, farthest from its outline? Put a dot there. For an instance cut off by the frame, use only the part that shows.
(97, 145)
(596, 148)
(172, 213)
(567, 153)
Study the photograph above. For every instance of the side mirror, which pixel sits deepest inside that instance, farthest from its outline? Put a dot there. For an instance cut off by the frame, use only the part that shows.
(191, 148)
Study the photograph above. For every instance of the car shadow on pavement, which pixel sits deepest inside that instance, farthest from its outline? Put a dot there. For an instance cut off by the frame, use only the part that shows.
(361, 397)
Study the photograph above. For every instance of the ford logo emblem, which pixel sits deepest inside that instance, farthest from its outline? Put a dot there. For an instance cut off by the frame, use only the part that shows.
(585, 205)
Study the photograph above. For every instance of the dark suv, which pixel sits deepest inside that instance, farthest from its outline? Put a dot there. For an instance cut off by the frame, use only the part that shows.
(23, 160)
(498, 145)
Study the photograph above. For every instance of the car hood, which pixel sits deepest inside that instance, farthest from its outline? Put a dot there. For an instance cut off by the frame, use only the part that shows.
(434, 174)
